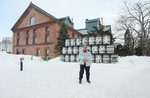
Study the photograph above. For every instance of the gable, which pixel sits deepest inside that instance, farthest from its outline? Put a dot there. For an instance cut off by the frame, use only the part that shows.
(40, 16)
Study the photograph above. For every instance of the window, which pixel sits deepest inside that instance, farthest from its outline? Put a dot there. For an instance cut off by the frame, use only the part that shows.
(46, 52)
(32, 20)
(47, 29)
(47, 38)
(38, 52)
(23, 51)
(73, 35)
(18, 35)
(47, 35)
(17, 51)
(34, 36)
(27, 37)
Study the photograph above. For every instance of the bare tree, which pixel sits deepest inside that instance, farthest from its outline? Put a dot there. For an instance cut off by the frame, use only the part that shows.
(136, 18)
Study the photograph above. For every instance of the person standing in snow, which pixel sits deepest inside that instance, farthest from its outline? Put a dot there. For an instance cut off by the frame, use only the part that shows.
(85, 59)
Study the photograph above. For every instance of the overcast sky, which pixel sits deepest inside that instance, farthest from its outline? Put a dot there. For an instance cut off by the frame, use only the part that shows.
(79, 10)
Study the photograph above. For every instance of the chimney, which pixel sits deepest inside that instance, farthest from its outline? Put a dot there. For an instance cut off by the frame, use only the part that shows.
(86, 24)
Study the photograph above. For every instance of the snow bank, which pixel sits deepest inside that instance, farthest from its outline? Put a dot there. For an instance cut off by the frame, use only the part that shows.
(129, 78)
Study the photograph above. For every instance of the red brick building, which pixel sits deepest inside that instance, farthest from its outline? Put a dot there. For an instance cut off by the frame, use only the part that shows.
(36, 31)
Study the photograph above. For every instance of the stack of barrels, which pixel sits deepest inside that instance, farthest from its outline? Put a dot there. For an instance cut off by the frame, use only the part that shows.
(100, 47)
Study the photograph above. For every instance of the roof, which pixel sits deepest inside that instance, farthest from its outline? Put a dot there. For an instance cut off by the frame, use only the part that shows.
(60, 20)
(65, 18)
(92, 20)
(92, 23)
(83, 31)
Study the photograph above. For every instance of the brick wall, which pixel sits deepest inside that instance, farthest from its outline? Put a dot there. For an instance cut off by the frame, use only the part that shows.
(41, 23)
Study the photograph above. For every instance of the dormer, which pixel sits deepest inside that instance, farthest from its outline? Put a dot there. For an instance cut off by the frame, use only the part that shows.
(67, 21)
(90, 23)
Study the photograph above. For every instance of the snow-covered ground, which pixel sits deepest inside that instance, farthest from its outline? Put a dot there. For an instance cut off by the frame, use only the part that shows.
(129, 78)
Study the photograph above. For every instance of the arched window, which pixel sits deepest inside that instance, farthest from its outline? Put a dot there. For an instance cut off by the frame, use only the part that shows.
(73, 35)
(46, 52)
(17, 51)
(47, 29)
(23, 51)
(27, 37)
(32, 20)
(38, 52)
(35, 37)
(18, 37)
(47, 35)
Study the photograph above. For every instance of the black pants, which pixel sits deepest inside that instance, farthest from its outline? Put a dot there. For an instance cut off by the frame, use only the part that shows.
(87, 68)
